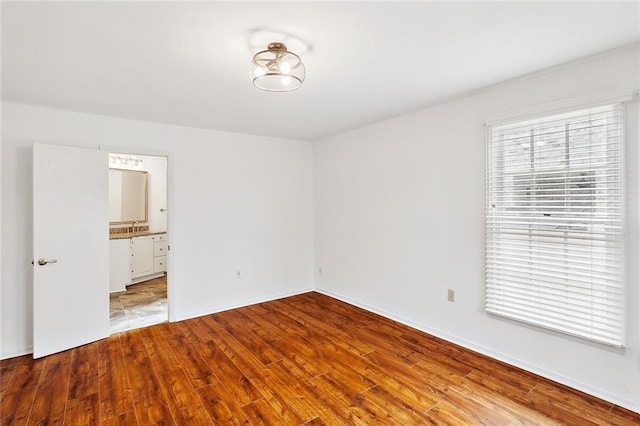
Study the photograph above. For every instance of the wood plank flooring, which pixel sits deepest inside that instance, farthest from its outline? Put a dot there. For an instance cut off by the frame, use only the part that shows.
(307, 359)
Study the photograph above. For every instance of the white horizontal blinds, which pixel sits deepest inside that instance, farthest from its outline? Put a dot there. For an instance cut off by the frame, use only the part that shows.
(554, 216)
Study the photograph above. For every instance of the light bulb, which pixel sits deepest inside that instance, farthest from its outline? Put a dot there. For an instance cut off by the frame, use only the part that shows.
(285, 67)
(259, 71)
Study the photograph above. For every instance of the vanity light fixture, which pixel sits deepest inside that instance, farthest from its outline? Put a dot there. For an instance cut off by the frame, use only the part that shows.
(277, 69)
(124, 160)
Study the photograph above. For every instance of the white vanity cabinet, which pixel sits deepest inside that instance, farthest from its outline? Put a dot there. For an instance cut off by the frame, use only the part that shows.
(136, 259)
(141, 256)
(159, 253)
(148, 257)
(119, 264)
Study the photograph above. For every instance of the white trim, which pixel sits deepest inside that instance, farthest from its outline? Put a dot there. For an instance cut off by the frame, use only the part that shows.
(145, 278)
(604, 98)
(26, 350)
(625, 220)
(215, 310)
(551, 375)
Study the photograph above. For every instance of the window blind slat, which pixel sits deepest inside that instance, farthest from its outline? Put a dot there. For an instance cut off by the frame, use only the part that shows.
(569, 289)
(606, 336)
(559, 317)
(517, 295)
(552, 251)
(581, 269)
(554, 222)
(576, 234)
(559, 311)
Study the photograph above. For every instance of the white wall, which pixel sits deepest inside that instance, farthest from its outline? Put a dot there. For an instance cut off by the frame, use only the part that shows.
(399, 219)
(237, 202)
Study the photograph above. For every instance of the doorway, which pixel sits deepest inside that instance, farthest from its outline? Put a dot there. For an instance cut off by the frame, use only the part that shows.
(137, 241)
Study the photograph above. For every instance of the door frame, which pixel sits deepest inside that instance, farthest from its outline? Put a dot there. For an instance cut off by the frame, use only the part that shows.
(157, 153)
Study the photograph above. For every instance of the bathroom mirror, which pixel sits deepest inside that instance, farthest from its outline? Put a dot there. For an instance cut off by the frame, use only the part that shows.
(128, 196)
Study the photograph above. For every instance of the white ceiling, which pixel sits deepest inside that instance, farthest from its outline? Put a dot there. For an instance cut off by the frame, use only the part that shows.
(186, 63)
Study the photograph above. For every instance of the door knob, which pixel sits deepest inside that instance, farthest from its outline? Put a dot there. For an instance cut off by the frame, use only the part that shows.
(42, 261)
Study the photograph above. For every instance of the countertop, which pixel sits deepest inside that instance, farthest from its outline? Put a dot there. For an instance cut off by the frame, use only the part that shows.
(124, 235)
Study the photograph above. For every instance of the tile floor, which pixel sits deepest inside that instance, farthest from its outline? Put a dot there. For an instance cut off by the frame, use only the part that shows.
(141, 305)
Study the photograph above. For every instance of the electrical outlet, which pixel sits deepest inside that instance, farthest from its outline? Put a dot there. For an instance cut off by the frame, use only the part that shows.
(238, 275)
(451, 295)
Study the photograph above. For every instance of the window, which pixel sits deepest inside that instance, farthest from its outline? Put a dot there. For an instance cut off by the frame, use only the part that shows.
(554, 222)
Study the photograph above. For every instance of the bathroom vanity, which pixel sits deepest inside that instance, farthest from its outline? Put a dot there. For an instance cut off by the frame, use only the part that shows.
(136, 258)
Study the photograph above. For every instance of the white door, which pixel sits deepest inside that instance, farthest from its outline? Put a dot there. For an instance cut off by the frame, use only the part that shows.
(70, 247)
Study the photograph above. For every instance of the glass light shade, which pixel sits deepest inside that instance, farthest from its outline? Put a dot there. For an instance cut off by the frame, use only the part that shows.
(276, 69)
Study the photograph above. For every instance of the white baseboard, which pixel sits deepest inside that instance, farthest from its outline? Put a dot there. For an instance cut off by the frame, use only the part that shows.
(145, 278)
(551, 375)
(16, 352)
(215, 310)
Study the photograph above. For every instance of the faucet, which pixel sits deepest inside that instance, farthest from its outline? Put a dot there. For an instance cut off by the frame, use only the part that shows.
(133, 226)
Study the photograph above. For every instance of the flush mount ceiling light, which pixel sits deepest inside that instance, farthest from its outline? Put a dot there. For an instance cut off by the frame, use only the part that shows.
(277, 69)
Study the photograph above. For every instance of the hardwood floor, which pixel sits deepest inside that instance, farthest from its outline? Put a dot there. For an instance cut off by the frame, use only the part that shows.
(307, 359)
